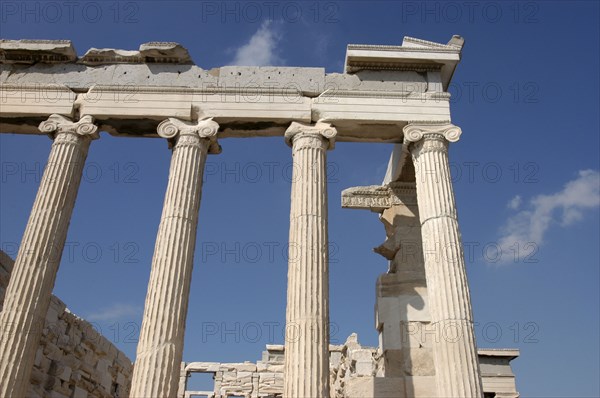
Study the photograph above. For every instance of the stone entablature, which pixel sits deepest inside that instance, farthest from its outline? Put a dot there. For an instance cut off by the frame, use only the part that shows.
(414, 54)
(130, 92)
(72, 360)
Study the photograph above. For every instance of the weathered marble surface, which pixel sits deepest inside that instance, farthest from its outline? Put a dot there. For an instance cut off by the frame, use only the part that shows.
(307, 311)
(130, 91)
(160, 348)
(29, 290)
(454, 348)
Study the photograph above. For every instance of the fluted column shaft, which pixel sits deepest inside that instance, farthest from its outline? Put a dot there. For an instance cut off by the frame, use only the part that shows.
(160, 347)
(306, 372)
(34, 273)
(454, 348)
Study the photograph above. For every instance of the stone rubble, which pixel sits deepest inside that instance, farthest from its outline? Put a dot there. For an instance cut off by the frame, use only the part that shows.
(354, 371)
(265, 377)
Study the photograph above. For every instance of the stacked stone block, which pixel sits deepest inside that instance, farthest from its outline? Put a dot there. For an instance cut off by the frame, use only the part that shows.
(72, 360)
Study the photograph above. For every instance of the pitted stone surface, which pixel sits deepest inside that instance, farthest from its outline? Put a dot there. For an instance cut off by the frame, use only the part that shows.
(310, 81)
(82, 77)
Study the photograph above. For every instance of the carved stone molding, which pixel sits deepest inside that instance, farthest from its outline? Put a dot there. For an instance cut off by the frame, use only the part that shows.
(414, 132)
(175, 129)
(323, 129)
(432, 46)
(152, 52)
(36, 51)
(56, 124)
(378, 198)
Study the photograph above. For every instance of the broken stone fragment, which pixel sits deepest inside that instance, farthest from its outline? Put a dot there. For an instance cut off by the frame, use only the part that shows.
(165, 52)
(99, 56)
(389, 248)
(153, 52)
(457, 41)
(32, 51)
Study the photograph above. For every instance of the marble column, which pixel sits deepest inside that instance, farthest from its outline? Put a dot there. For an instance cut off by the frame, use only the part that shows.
(454, 348)
(306, 372)
(30, 287)
(160, 348)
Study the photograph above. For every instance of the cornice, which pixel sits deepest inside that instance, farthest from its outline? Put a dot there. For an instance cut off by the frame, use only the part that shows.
(96, 56)
(380, 197)
(355, 66)
(62, 51)
(32, 51)
(426, 43)
(380, 47)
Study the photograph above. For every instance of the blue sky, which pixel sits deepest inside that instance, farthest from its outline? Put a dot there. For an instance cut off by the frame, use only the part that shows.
(526, 95)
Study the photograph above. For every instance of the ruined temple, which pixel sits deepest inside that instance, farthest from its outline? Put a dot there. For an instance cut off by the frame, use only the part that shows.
(390, 94)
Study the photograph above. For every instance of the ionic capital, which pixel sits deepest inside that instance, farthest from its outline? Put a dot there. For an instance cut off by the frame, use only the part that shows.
(57, 124)
(172, 129)
(324, 130)
(414, 132)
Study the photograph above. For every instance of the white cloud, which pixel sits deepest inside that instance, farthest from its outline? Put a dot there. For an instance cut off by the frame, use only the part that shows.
(115, 312)
(515, 202)
(524, 231)
(260, 49)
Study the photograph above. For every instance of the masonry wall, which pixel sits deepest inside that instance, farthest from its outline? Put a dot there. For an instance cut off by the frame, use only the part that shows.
(73, 360)
(355, 372)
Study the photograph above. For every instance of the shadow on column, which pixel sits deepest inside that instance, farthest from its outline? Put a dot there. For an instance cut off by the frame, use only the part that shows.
(402, 314)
